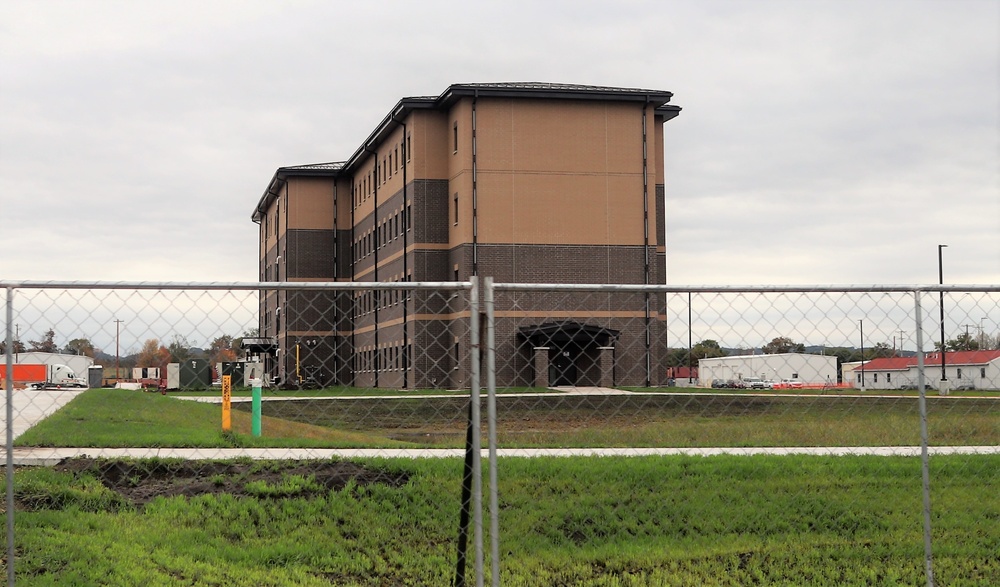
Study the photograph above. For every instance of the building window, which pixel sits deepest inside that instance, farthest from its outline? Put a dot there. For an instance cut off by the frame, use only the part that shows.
(875, 377)
(408, 147)
(959, 371)
(454, 137)
(982, 372)
(888, 377)
(456, 208)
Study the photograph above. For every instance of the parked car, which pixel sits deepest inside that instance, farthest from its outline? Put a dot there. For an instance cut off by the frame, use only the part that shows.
(754, 383)
(788, 384)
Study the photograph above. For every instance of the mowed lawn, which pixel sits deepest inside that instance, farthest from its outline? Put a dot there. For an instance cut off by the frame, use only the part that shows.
(117, 418)
(723, 520)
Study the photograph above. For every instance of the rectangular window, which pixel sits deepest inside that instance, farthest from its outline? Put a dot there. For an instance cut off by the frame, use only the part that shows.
(454, 137)
(888, 377)
(396, 159)
(408, 148)
(456, 208)
(875, 377)
(959, 373)
(982, 372)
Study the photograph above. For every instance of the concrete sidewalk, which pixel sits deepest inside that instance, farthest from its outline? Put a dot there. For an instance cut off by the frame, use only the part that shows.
(32, 406)
(45, 456)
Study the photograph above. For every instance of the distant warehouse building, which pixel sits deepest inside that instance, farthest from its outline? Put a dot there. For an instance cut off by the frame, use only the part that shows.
(963, 370)
(811, 370)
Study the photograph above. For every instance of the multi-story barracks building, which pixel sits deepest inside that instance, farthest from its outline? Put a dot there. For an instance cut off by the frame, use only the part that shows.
(521, 182)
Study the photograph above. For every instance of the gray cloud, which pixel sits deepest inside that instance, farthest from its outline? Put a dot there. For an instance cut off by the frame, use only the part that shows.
(821, 142)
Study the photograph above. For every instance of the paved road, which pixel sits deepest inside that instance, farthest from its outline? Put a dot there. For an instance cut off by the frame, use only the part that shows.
(32, 406)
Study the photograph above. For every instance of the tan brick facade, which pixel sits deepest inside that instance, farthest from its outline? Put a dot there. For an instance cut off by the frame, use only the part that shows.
(537, 183)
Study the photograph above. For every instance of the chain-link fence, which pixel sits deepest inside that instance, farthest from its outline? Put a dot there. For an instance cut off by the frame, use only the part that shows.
(315, 433)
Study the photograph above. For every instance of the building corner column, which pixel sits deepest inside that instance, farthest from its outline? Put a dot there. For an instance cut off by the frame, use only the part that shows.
(607, 366)
(541, 364)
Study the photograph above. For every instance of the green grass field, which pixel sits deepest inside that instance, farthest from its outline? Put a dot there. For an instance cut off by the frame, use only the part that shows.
(573, 521)
(608, 521)
(117, 418)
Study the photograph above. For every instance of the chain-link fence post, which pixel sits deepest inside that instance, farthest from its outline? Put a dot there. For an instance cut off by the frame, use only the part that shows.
(924, 456)
(491, 423)
(9, 385)
(476, 425)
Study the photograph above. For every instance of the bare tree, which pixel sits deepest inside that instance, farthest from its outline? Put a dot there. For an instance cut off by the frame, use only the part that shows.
(46, 345)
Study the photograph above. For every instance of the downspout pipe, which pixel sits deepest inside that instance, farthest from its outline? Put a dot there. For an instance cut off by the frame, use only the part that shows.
(645, 233)
(336, 275)
(475, 193)
(354, 306)
(283, 295)
(375, 247)
(405, 228)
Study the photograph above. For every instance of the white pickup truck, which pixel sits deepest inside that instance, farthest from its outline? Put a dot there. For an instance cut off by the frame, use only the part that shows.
(755, 383)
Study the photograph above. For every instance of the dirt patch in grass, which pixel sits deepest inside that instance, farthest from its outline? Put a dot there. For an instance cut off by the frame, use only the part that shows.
(141, 481)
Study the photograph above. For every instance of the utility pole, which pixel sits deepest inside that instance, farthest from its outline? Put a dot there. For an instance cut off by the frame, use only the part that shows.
(941, 388)
(968, 340)
(901, 333)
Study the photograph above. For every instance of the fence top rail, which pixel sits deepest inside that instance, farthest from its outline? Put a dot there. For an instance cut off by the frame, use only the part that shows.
(467, 285)
(745, 288)
(239, 285)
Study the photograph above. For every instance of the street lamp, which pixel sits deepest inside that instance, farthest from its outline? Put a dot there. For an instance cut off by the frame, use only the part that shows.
(941, 305)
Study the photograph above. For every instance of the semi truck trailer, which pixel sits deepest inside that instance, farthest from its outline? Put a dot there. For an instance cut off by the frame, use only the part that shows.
(39, 376)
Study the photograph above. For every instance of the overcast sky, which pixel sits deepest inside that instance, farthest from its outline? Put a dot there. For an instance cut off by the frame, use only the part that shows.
(820, 142)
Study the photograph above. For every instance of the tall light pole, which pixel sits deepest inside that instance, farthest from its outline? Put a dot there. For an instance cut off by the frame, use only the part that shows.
(941, 305)
(862, 324)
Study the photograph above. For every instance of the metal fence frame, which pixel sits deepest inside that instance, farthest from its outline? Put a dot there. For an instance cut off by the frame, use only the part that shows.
(482, 357)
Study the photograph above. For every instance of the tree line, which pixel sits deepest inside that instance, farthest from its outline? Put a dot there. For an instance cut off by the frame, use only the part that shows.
(708, 348)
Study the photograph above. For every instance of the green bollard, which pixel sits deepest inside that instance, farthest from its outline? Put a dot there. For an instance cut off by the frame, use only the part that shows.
(255, 419)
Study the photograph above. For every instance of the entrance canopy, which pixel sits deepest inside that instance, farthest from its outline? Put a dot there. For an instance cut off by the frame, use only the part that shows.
(567, 331)
(259, 345)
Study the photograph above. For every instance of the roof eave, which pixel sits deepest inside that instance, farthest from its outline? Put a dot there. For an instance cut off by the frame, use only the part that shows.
(279, 178)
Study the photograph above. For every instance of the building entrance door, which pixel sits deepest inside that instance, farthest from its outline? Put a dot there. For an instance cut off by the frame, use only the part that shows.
(562, 366)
